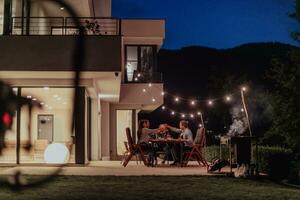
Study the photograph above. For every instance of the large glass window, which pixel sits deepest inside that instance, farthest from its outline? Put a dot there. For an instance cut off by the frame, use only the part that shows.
(1, 15)
(140, 63)
(131, 62)
(51, 124)
(9, 152)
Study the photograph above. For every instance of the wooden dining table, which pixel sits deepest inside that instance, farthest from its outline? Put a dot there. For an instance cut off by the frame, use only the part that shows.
(167, 141)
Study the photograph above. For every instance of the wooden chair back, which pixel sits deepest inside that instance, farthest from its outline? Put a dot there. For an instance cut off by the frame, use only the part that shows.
(129, 140)
(200, 138)
(126, 146)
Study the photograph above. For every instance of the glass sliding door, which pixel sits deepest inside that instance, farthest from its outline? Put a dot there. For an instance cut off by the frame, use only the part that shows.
(140, 63)
(131, 62)
(49, 125)
(9, 152)
(1, 16)
(124, 120)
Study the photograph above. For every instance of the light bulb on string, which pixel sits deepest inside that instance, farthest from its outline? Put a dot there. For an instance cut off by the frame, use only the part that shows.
(244, 89)
(228, 98)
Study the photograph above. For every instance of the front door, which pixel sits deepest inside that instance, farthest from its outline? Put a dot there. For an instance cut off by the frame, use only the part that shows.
(45, 127)
(125, 119)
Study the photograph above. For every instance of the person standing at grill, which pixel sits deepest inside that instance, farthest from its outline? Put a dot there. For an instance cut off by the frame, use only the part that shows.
(185, 133)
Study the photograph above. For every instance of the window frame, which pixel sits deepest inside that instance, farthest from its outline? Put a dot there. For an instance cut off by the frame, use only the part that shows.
(139, 47)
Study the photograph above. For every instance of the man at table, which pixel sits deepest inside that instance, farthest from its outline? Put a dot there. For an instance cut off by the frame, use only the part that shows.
(185, 133)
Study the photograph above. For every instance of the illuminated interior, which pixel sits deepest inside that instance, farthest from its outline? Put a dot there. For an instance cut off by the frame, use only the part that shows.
(49, 124)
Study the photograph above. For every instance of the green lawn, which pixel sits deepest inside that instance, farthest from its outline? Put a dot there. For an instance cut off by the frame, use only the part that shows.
(74, 187)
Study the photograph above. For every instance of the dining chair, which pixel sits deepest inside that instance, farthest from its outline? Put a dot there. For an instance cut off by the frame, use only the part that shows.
(126, 153)
(134, 150)
(197, 149)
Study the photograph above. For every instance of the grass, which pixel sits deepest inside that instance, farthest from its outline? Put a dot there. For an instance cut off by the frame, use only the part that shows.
(147, 187)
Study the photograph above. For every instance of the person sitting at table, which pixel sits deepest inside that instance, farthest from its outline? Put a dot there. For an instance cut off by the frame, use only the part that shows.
(144, 132)
(185, 133)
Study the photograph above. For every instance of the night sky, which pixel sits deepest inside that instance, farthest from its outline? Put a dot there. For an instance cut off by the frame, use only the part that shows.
(214, 23)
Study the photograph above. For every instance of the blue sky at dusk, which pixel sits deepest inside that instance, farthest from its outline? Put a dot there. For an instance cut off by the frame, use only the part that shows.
(215, 23)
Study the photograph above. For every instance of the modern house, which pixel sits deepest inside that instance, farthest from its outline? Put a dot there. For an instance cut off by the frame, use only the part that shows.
(37, 42)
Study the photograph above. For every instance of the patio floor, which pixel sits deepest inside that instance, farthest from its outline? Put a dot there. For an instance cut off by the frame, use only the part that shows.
(112, 168)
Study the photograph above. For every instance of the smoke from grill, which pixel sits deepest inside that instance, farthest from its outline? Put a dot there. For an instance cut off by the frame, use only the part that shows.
(239, 122)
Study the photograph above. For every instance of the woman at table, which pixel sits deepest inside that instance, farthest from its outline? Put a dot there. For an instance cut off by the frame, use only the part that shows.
(144, 132)
(185, 133)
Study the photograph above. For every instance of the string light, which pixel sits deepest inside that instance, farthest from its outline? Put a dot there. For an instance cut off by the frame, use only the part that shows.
(192, 102)
(228, 98)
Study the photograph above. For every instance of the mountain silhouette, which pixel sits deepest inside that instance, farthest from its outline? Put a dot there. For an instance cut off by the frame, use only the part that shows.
(189, 67)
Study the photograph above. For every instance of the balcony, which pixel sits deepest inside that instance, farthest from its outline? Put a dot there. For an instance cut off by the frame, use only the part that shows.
(55, 53)
(64, 26)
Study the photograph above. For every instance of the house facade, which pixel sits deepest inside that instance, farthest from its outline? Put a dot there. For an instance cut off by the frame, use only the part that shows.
(37, 43)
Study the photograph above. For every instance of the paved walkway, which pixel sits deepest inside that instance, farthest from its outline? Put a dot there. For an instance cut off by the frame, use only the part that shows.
(112, 168)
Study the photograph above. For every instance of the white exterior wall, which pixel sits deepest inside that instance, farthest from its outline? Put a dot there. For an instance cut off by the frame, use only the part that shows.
(105, 130)
(102, 8)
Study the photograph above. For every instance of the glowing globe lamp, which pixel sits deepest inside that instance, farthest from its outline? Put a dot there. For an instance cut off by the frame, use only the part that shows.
(56, 153)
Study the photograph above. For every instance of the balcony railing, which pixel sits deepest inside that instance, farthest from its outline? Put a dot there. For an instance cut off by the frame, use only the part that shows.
(64, 26)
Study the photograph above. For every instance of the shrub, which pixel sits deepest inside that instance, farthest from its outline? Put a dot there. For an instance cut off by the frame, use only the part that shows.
(272, 160)
(294, 172)
(212, 152)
